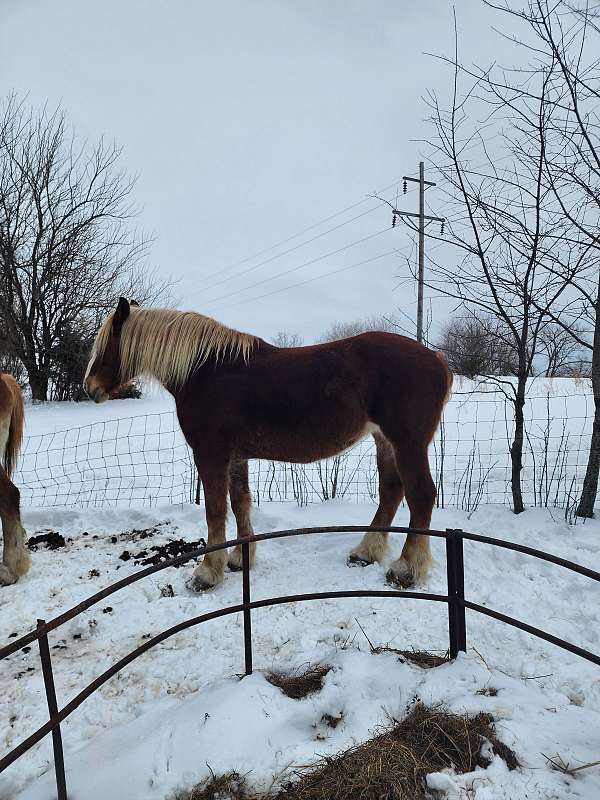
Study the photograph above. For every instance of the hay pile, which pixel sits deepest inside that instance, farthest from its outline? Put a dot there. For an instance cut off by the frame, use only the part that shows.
(231, 786)
(393, 765)
(300, 684)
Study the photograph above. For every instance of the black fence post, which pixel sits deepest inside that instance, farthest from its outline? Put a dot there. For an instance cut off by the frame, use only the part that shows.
(247, 612)
(59, 763)
(457, 624)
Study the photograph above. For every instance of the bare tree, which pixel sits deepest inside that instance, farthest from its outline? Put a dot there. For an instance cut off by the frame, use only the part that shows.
(286, 339)
(9, 362)
(563, 38)
(341, 330)
(477, 345)
(518, 253)
(67, 248)
(561, 352)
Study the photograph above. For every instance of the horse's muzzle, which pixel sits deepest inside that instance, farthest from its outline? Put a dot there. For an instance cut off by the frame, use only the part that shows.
(95, 393)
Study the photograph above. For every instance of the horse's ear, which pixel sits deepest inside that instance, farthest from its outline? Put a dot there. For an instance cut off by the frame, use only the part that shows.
(120, 315)
(134, 303)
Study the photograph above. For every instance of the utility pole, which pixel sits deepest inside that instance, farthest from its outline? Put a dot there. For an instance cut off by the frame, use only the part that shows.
(423, 219)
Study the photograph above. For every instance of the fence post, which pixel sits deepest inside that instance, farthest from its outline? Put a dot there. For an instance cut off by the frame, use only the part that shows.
(246, 601)
(59, 764)
(457, 624)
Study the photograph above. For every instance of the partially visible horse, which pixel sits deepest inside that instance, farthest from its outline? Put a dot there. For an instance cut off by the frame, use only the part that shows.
(238, 397)
(15, 558)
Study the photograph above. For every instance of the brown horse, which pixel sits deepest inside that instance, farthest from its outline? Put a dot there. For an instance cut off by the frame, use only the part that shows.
(238, 397)
(15, 558)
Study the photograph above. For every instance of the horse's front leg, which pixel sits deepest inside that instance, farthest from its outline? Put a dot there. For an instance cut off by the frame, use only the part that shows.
(241, 504)
(215, 479)
(15, 560)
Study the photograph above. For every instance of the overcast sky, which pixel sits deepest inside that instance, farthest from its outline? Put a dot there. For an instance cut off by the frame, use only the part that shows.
(247, 122)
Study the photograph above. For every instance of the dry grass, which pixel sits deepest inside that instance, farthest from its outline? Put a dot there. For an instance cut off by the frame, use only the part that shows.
(298, 685)
(419, 657)
(488, 691)
(558, 763)
(231, 786)
(393, 765)
(331, 721)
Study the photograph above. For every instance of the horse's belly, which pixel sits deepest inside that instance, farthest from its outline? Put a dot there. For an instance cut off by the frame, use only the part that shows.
(303, 447)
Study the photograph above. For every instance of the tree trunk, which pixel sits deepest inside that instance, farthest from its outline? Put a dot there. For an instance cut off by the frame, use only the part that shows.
(516, 449)
(590, 482)
(38, 382)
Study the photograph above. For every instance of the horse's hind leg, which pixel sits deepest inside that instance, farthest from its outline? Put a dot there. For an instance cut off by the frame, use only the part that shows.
(15, 558)
(214, 475)
(415, 560)
(373, 546)
(241, 504)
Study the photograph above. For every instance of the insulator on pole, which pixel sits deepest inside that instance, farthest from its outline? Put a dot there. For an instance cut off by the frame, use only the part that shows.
(404, 187)
(393, 220)
(442, 228)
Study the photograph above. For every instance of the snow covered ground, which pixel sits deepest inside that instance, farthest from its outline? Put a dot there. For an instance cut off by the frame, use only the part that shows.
(181, 709)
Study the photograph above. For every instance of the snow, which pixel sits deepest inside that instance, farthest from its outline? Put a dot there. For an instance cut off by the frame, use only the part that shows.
(181, 708)
(46, 418)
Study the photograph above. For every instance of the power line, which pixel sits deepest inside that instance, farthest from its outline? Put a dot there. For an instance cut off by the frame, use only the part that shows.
(301, 266)
(299, 233)
(310, 280)
(291, 250)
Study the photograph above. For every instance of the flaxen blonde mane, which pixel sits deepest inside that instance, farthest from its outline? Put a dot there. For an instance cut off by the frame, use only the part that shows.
(168, 345)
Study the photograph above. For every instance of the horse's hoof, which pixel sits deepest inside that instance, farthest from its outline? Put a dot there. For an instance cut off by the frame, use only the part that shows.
(6, 577)
(234, 567)
(356, 561)
(197, 584)
(404, 581)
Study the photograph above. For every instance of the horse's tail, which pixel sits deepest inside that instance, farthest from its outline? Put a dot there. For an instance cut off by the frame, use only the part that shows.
(15, 430)
(449, 375)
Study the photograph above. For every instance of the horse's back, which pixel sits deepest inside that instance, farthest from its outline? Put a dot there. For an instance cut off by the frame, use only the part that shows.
(382, 361)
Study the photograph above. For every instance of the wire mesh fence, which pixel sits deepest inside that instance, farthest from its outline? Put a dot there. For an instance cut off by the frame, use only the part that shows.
(135, 460)
(144, 460)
